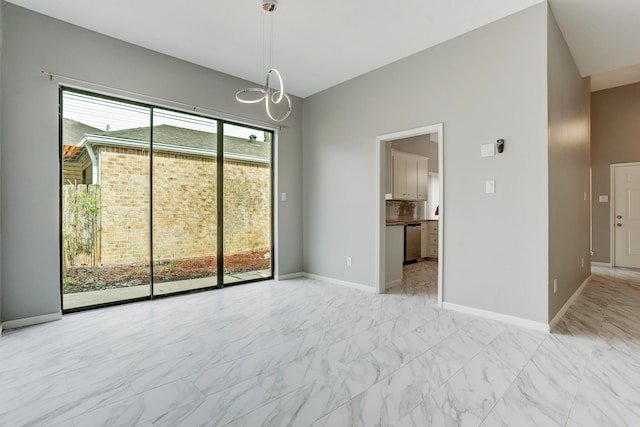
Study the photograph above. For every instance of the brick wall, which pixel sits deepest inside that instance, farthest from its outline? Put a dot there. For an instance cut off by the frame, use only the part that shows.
(184, 197)
(247, 206)
(124, 212)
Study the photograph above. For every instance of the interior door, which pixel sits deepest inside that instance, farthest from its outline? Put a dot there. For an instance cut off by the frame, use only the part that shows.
(627, 216)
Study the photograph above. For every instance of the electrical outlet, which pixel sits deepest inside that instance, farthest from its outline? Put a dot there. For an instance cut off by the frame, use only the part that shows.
(489, 187)
(555, 286)
(348, 261)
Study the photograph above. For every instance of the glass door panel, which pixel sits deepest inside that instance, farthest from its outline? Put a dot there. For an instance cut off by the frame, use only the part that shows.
(247, 206)
(105, 205)
(184, 202)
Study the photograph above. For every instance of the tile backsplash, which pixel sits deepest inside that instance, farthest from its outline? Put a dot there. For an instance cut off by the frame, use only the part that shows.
(405, 211)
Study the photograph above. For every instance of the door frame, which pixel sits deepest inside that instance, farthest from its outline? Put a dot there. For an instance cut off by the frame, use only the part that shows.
(379, 262)
(612, 205)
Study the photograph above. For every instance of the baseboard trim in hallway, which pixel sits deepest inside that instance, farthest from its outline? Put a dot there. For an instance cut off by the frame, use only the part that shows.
(513, 320)
(566, 305)
(601, 264)
(29, 321)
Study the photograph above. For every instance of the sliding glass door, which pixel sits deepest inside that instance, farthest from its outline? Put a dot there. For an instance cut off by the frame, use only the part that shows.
(105, 204)
(247, 209)
(184, 202)
(144, 209)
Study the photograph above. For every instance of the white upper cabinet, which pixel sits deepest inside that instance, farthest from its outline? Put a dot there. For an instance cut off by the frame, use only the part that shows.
(410, 176)
(423, 178)
(399, 177)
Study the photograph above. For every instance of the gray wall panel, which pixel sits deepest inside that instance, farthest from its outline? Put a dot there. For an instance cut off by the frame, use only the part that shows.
(484, 85)
(33, 42)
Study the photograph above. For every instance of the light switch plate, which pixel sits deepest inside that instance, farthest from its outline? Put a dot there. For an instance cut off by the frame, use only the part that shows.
(489, 187)
(487, 150)
(283, 197)
(603, 199)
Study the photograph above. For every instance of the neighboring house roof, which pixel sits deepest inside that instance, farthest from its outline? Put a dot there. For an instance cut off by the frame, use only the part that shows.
(73, 132)
(166, 138)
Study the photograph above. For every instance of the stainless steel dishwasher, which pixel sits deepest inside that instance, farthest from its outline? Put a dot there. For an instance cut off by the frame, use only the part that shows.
(412, 237)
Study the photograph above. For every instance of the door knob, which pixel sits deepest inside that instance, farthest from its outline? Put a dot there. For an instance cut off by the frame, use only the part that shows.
(619, 225)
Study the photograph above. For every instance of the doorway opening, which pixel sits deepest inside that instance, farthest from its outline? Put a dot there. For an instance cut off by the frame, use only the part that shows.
(403, 177)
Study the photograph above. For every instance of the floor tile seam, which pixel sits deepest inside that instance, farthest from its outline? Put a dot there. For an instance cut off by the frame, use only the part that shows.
(109, 362)
(506, 362)
(92, 407)
(270, 369)
(347, 402)
(29, 369)
(295, 390)
(513, 381)
(576, 386)
(271, 398)
(127, 399)
(7, 399)
(243, 355)
(575, 395)
(304, 384)
(562, 360)
(385, 377)
(453, 374)
(497, 399)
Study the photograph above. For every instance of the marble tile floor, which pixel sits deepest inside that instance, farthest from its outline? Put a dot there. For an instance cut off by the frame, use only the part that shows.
(302, 352)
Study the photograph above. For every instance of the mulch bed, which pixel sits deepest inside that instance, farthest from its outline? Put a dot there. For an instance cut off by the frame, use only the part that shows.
(82, 279)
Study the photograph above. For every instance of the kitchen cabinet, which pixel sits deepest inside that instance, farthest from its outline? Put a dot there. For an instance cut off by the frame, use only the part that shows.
(399, 167)
(431, 244)
(410, 176)
(424, 240)
(394, 252)
(422, 177)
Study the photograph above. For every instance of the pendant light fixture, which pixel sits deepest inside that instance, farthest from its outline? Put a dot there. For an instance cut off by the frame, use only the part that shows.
(272, 93)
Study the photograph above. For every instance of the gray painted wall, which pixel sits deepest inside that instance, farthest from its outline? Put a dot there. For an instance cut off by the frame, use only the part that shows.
(569, 161)
(615, 138)
(29, 168)
(484, 85)
(1, 31)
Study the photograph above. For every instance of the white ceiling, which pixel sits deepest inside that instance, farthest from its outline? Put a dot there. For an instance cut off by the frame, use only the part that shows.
(318, 44)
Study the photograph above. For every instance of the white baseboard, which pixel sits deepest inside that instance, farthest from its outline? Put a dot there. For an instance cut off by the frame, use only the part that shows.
(289, 276)
(29, 321)
(393, 283)
(567, 304)
(601, 264)
(353, 285)
(517, 321)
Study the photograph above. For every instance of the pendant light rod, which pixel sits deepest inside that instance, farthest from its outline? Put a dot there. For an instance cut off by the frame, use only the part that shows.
(270, 95)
